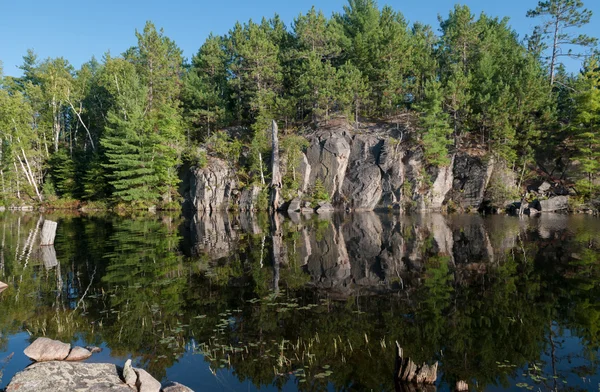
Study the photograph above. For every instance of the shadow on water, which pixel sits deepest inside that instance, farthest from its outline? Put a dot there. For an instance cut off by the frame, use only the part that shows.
(500, 302)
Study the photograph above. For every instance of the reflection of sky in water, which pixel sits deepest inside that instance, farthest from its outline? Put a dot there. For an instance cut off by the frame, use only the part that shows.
(218, 265)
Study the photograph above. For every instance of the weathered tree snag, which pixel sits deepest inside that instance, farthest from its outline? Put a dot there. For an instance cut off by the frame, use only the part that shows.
(48, 233)
(3, 286)
(408, 372)
(276, 181)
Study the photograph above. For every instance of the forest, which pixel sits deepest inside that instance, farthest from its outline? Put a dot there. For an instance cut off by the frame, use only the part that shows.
(117, 132)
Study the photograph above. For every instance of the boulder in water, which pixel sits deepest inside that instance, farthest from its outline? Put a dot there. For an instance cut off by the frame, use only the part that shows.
(44, 349)
(78, 354)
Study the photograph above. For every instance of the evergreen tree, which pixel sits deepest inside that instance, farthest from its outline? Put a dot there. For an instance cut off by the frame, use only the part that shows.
(127, 143)
(205, 88)
(435, 129)
(560, 15)
(255, 72)
(587, 124)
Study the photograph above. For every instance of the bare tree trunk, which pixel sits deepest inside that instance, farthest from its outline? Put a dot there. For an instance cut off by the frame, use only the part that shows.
(78, 114)
(262, 174)
(29, 175)
(554, 52)
(275, 172)
(17, 179)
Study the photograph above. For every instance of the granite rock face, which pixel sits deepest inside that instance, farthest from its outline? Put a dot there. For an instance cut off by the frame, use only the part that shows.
(211, 186)
(471, 177)
(359, 171)
(68, 376)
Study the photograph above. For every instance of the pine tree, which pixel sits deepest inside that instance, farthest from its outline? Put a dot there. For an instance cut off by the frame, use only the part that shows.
(560, 15)
(126, 142)
(587, 124)
(158, 62)
(434, 125)
(204, 92)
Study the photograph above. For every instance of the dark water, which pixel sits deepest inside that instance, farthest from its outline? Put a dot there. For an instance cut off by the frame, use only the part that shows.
(501, 302)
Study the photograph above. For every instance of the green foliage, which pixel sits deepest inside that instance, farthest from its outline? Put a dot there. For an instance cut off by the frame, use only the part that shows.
(587, 126)
(435, 129)
(223, 146)
(319, 192)
(558, 16)
(293, 147)
(63, 172)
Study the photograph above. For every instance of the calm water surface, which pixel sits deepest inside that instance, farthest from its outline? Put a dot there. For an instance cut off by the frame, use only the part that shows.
(501, 302)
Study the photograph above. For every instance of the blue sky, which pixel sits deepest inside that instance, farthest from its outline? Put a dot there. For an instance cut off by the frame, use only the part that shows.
(79, 29)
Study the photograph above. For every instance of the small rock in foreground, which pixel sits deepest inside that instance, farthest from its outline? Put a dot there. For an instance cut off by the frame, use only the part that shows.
(129, 374)
(145, 382)
(44, 349)
(176, 387)
(68, 376)
(78, 354)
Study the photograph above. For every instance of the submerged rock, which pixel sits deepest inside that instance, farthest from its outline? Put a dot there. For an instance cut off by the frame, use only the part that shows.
(68, 376)
(78, 354)
(176, 387)
(44, 349)
(93, 349)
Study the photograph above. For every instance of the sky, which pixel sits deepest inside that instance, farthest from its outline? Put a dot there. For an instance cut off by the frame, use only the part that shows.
(78, 30)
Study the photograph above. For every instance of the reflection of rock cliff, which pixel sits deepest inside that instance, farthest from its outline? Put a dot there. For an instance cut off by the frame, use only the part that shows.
(376, 252)
(382, 252)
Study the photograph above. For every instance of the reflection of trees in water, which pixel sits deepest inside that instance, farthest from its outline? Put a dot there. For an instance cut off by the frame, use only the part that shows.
(467, 291)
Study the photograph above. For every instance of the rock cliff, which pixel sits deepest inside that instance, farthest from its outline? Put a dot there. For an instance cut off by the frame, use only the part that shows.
(359, 171)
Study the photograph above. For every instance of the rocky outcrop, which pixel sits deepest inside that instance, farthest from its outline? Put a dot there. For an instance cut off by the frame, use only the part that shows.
(249, 198)
(63, 374)
(328, 156)
(471, 177)
(211, 186)
(359, 172)
(362, 186)
(68, 376)
(60, 376)
(436, 195)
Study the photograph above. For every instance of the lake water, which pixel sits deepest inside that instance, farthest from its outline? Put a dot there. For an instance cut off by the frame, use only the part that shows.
(504, 303)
